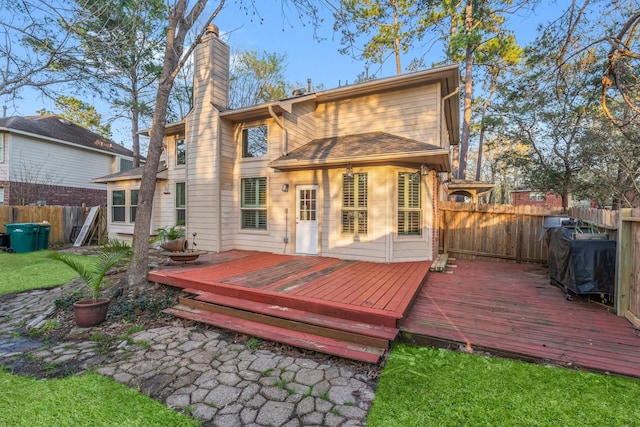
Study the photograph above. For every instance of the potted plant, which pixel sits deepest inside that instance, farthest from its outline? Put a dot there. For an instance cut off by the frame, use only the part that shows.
(91, 312)
(172, 238)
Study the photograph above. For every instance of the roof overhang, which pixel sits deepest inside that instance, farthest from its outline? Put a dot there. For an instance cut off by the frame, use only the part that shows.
(469, 188)
(374, 148)
(132, 175)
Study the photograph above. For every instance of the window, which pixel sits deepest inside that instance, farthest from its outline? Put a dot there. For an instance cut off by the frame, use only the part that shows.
(354, 204)
(409, 204)
(181, 204)
(254, 203)
(1, 147)
(180, 152)
(118, 206)
(133, 205)
(254, 141)
(126, 165)
(1, 196)
(537, 197)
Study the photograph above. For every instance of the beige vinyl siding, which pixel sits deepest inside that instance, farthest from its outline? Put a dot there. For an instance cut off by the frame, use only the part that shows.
(411, 113)
(124, 230)
(301, 125)
(65, 165)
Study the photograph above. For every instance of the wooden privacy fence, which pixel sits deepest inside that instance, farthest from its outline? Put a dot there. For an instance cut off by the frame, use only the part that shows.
(474, 230)
(513, 233)
(61, 218)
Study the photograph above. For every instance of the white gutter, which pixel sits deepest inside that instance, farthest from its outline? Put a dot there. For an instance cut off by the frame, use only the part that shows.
(285, 134)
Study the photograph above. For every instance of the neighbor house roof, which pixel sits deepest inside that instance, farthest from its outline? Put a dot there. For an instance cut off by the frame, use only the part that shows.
(132, 174)
(365, 148)
(60, 130)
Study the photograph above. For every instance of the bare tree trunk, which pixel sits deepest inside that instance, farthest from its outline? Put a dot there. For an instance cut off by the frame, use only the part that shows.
(468, 97)
(180, 22)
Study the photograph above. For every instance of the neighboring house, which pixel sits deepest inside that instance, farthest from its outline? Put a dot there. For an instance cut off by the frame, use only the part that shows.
(351, 172)
(50, 160)
(536, 198)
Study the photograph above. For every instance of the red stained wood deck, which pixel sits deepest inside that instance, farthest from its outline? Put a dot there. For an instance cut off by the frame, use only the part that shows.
(345, 308)
(512, 310)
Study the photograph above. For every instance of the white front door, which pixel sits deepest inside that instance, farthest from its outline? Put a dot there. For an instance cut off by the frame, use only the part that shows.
(307, 219)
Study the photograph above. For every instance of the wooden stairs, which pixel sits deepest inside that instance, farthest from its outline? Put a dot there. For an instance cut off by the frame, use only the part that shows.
(338, 329)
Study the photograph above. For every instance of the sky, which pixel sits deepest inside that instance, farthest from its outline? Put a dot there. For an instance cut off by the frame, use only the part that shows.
(305, 57)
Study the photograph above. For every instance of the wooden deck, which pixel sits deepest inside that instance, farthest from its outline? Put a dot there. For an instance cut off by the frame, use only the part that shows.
(346, 308)
(512, 310)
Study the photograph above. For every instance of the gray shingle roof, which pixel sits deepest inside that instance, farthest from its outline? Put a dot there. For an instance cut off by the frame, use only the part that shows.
(55, 127)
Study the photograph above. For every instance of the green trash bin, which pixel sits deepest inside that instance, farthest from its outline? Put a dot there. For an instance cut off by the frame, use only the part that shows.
(21, 237)
(44, 230)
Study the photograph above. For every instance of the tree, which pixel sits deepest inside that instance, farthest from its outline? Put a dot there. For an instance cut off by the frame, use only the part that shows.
(392, 25)
(32, 54)
(81, 114)
(120, 42)
(256, 77)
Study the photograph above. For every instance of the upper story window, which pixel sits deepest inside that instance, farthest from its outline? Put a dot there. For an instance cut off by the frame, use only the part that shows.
(355, 197)
(126, 165)
(409, 211)
(181, 152)
(254, 141)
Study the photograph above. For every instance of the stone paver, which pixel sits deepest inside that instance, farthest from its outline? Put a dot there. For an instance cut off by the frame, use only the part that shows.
(199, 372)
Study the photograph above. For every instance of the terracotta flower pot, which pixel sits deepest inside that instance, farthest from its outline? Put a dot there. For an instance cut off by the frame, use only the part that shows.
(89, 313)
(176, 245)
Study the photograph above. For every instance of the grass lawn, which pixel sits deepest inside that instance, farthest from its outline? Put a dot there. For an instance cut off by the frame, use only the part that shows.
(32, 270)
(431, 387)
(87, 400)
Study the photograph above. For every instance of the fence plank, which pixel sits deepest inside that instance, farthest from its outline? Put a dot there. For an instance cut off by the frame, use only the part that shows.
(61, 218)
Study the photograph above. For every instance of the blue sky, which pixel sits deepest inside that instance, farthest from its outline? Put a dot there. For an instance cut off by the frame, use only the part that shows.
(305, 56)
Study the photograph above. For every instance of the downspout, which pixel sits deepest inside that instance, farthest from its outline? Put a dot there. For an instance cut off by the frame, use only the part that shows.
(218, 186)
(285, 135)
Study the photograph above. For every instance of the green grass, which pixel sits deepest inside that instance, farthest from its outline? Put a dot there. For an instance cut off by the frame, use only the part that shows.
(431, 387)
(87, 400)
(32, 270)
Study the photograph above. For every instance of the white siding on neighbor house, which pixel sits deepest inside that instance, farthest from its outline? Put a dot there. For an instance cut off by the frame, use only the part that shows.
(56, 164)
(411, 113)
(4, 156)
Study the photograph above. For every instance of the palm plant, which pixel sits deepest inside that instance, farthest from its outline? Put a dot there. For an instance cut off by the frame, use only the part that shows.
(92, 274)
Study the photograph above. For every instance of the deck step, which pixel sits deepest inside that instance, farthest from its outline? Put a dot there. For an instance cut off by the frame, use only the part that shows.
(284, 312)
(300, 326)
(274, 333)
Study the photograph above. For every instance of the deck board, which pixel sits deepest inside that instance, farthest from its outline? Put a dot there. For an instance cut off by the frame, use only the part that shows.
(512, 309)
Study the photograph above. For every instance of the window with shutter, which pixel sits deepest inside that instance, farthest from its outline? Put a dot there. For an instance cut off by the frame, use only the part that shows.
(409, 211)
(354, 204)
(254, 204)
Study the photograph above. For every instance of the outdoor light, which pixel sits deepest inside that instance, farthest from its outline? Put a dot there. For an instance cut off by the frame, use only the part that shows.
(285, 187)
(424, 170)
(349, 171)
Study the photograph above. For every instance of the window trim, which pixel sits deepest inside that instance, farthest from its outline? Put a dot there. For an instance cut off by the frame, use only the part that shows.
(178, 207)
(356, 209)
(123, 206)
(407, 209)
(133, 209)
(244, 142)
(258, 207)
(177, 152)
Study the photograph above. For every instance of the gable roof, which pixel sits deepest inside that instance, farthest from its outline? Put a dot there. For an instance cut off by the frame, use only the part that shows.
(58, 129)
(134, 174)
(365, 148)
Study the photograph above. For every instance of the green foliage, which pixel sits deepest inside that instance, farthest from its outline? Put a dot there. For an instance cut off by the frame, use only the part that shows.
(167, 233)
(92, 275)
(256, 78)
(80, 113)
(33, 270)
(431, 387)
(145, 306)
(88, 399)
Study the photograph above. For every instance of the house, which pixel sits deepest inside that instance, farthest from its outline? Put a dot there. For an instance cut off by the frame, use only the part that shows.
(352, 172)
(536, 198)
(50, 160)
